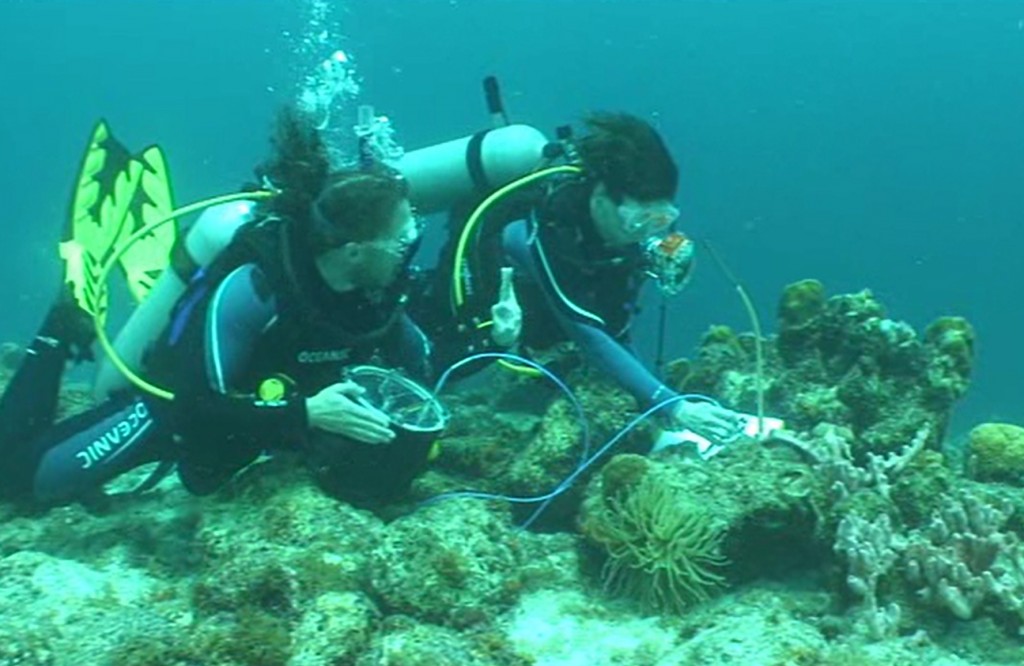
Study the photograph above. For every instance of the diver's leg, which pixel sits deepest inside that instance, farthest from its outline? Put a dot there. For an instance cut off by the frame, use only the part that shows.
(87, 450)
(29, 404)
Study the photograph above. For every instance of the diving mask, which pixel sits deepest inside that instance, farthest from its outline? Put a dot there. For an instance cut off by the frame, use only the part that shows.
(646, 217)
(404, 240)
(669, 260)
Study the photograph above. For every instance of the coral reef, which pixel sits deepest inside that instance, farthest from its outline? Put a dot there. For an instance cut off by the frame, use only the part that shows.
(453, 563)
(870, 549)
(840, 360)
(996, 453)
(497, 445)
(929, 551)
(964, 559)
(847, 539)
(800, 304)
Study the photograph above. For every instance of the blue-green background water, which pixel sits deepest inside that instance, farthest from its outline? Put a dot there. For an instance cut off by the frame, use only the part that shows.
(867, 143)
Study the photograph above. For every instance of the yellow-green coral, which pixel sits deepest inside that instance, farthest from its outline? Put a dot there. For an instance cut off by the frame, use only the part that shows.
(662, 549)
(997, 452)
(623, 473)
(954, 338)
(719, 334)
(800, 302)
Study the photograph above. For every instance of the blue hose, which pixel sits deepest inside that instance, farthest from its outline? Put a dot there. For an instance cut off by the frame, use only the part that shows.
(586, 460)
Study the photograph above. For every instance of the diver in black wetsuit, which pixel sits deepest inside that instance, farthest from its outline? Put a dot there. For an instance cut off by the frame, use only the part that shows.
(311, 284)
(576, 245)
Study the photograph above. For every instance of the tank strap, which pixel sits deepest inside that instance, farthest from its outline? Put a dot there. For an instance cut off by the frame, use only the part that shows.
(182, 263)
(475, 160)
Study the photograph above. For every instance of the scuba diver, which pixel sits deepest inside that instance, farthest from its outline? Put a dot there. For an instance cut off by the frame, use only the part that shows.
(581, 242)
(253, 352)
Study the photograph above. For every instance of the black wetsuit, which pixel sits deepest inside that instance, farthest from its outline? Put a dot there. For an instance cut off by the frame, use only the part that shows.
(261, 309)
(570, 285)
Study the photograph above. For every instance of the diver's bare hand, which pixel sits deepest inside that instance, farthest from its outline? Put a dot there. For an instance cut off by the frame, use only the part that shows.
(335, 410)
(708, 420)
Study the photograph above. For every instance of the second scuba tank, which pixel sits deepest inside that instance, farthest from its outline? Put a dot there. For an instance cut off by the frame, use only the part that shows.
(445, 173)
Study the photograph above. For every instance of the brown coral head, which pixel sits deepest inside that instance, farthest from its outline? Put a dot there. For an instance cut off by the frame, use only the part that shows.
(622, 474)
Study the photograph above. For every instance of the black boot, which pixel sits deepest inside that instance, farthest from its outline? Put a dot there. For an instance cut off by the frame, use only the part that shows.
(69, 328)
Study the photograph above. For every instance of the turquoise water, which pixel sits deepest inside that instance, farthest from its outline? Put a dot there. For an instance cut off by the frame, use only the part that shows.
(867, 144)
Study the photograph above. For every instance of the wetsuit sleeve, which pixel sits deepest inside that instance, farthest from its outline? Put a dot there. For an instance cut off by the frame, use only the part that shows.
(616, 361)
(240, 311)
(607, 354)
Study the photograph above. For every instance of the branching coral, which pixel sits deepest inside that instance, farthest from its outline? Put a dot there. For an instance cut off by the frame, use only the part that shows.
(662, 549)
(965, 559)
(830, 452)
(964, 562)
(871, 549)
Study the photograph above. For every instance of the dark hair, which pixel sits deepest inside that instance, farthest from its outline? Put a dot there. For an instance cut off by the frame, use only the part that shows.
(298, 166)
(628, 156)
(331, 208)
(356, 205)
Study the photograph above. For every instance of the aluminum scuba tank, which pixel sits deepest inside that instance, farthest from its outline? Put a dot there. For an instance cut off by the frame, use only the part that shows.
(443, 174)
(203, 242)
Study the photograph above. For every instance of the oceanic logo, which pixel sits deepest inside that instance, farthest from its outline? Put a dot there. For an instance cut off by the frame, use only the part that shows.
(119, 436)
(325, 356)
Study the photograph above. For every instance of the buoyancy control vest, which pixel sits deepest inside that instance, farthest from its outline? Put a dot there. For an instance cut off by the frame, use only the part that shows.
(591, 276)
(316, 331)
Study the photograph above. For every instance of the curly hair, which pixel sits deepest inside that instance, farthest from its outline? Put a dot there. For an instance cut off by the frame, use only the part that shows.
(298, 166)
(628, 156)
(355, 205)
(330, 208)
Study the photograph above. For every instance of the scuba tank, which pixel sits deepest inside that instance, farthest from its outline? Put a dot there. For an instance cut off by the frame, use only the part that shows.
(203, 243)
(443, 174)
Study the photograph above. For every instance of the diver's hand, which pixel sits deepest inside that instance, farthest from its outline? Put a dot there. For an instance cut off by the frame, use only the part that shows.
(335, 410)
(717, 424)
(506, 315)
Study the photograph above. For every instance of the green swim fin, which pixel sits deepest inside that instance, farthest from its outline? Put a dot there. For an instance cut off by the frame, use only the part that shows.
(115, 195)
(103, 192)
(148, 256)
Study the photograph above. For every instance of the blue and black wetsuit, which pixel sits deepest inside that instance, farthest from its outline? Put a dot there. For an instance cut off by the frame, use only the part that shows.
(570, 285)
(260, 310)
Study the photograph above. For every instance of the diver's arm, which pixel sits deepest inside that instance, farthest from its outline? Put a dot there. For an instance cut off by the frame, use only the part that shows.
(615, 361)
(607, 354)
(240, 311)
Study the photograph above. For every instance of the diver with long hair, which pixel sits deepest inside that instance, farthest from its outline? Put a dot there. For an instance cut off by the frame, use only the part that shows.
(312, 282)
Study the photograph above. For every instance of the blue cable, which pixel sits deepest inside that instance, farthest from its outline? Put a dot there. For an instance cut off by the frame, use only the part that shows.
(567, 482)
(581, 417)
(586, 460)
